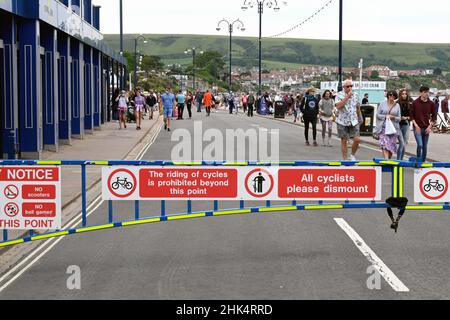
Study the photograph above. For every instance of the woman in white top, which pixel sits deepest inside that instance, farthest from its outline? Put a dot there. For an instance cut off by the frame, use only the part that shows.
(388, 109)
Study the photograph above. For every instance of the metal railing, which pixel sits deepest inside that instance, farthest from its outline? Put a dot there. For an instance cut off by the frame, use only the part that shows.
(395, 168)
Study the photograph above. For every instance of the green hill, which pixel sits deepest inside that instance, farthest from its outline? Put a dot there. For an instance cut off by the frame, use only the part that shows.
(290, 53)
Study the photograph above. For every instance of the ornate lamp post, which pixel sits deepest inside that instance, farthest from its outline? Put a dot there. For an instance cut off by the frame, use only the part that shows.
(194, 52)
(271, 4)
(140, 37)
(239, 26)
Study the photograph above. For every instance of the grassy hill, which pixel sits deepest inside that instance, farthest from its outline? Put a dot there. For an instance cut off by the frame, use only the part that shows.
(290, 53)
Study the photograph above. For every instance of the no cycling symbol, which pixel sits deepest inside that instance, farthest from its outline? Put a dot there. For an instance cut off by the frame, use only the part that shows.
(259, 183)
(434, 185)
(122, 183)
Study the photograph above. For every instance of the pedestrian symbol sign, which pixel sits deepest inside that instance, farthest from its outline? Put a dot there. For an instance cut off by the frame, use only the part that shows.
(259, 183)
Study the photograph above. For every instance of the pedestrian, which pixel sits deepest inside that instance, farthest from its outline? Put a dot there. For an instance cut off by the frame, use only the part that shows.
(244, 102)
(310, 109)
(365, 100)
(139, 105)
(348, 119)
(152, 102)
(388, 124)
(199, 99)
(444, 108)
(423, 117)
(297, 103)
(251, 104)
(230, 102)
(181, 99)
(208, 102)
(168, 102)
(217, 102)
(189, 100)
(326, 107)
(122, 102)
(405, 107)
(437, 103)
(115, 105)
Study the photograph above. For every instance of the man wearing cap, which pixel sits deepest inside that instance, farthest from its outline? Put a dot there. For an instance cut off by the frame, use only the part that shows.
(348, 119)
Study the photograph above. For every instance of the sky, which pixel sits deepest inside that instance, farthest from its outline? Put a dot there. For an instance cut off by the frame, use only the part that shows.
(371, 20)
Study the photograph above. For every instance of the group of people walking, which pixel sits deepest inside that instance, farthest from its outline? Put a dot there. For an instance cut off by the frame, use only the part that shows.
(133, 106)
(396, 117)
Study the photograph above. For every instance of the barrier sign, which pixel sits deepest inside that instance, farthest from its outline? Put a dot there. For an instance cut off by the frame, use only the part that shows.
(431, 185)
(241, 183)
(30, 198)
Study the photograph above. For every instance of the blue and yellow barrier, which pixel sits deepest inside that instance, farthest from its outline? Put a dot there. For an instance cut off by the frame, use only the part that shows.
(394, 167)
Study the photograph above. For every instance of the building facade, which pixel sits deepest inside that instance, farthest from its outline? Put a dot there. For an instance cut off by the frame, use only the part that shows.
(56, 75)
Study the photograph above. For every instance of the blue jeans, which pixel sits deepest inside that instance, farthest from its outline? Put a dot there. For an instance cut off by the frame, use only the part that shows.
(199, 106)
(402, 139)
(422, 144)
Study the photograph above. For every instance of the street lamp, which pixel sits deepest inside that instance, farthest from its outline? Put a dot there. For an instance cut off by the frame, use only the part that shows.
(271, 4)
(140, 37)
(193, 51)
(240, 26)
(122, 82)
(341, 56)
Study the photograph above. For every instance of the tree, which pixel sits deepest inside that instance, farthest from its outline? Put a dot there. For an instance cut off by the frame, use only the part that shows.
(375, 75)
(152, 63)
(437, 72)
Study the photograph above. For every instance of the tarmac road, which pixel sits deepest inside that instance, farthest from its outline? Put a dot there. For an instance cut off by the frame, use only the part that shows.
(280, 255)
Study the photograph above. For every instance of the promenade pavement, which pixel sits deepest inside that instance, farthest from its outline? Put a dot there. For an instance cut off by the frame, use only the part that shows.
(109, 143)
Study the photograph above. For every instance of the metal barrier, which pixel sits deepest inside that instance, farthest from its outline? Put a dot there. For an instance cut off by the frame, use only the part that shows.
(396, 168)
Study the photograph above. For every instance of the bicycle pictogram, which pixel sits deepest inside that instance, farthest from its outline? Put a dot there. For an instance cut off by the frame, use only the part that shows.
(436, 185)
(124, 183)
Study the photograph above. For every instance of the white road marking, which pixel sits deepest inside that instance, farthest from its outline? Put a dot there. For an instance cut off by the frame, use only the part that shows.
(55, 242)
(377, 263)
(51, 243)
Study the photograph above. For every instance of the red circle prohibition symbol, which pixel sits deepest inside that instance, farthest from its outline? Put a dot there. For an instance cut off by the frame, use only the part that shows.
(272, 183)
(11, 192)
(423, 191)
(11, 209)
(122, 196)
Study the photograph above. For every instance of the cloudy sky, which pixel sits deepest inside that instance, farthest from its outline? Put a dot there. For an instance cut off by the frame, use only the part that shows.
(380, 20)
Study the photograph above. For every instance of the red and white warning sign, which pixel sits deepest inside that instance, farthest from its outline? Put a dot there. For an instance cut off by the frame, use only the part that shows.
(432, 185)
(241, 183)
(342, 183)
(31, 198)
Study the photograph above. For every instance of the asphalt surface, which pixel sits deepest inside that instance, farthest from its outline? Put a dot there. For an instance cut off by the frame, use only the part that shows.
(293, 255)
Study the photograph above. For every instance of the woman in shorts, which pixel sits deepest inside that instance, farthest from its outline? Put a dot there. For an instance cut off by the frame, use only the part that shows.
(139, 103)
(122, 100)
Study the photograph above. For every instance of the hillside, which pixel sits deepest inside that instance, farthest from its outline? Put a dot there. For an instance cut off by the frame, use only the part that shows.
(289, 53)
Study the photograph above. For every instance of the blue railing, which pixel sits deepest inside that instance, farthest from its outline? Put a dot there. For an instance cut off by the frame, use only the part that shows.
(396, 168)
